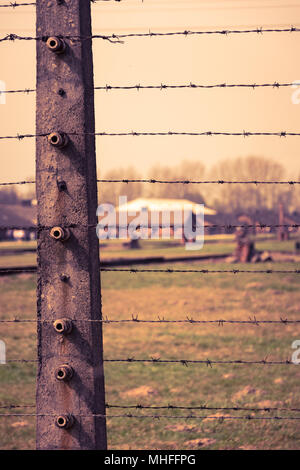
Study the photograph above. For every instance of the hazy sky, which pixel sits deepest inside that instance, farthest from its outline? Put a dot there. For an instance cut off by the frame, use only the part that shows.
(175, 60)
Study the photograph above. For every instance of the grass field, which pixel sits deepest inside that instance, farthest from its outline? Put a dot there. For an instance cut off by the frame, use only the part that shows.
(175, 296)
(113, 249)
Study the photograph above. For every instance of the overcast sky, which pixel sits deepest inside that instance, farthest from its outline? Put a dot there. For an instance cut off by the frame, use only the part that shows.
(172, 60)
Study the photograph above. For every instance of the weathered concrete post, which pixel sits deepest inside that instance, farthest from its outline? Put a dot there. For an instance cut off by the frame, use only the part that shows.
(70, 379)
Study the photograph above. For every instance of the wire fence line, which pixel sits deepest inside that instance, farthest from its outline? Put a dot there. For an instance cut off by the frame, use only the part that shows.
(33, 269)
(117, 38)
(258, 225)
(181, 181)
(253, 86)
(15, 4)
(187, 320)
(183, 362)
(161, 133)
(139, 406)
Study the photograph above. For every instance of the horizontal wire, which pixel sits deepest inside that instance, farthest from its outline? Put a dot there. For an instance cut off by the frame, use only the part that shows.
(116, 38)
(207, 362)
(193, 86)
(168, 270)
(15, 4)
(138, 406)
(202, 271)
(181, 181)
(99, 225)
(168, 133)
(135, 319)
(16, 182)
(219, 418)
(184, 362)
(165, 86)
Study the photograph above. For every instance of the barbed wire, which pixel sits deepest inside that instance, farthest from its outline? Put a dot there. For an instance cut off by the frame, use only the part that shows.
(166, 87)
(33, 269)
(202, 271)
(188, 320)
(15, 4)
(139, 406)
(194, 86)
(16, 182)
(179, 181)
(154, 226)
(117, 38)
(163, 133)
(183, 362)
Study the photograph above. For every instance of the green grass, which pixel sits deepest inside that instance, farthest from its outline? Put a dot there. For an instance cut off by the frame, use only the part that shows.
(175, 296)
(214, 245)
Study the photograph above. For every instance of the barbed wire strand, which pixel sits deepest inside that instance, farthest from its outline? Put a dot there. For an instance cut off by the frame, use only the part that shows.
(154, 226)
(168, 133)
(163, 86)
(188, 320)
(139, 406)
(15, 4)
(129, 415)
(202, 271)
(181, 181)
(117, 38)
(183, 362)
(254, 86)
(33, 269)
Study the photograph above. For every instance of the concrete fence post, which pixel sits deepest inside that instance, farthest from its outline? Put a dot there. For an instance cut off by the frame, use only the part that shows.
(70, 378)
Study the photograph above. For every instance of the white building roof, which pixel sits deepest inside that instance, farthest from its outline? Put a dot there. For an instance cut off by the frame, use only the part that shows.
(153, 204)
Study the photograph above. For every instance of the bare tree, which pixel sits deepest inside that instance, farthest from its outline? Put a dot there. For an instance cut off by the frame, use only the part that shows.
(237, 197)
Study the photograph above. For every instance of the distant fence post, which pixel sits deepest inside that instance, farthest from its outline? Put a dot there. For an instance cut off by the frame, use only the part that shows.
(70, 379)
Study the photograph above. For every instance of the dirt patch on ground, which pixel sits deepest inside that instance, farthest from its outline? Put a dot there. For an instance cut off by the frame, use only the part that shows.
(197, 443)
(182, 427)
(143, 391)
(246, 392)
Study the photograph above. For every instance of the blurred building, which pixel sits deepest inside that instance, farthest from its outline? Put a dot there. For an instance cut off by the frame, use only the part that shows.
(18, 221)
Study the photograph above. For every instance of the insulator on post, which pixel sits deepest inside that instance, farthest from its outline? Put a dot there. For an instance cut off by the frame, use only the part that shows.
(56, 44)
(64, 373)
(63, 326)
(58, 139)
(60, 234)
(64, 421)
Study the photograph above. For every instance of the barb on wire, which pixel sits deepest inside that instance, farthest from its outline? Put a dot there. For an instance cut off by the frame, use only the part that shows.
(25, 90)
(117, 38)
(15, 4)
(163, 86)
(168, 133)
(187, 320)
(16, 182)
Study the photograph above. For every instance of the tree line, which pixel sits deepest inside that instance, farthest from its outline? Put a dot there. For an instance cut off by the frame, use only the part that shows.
(228, 198)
